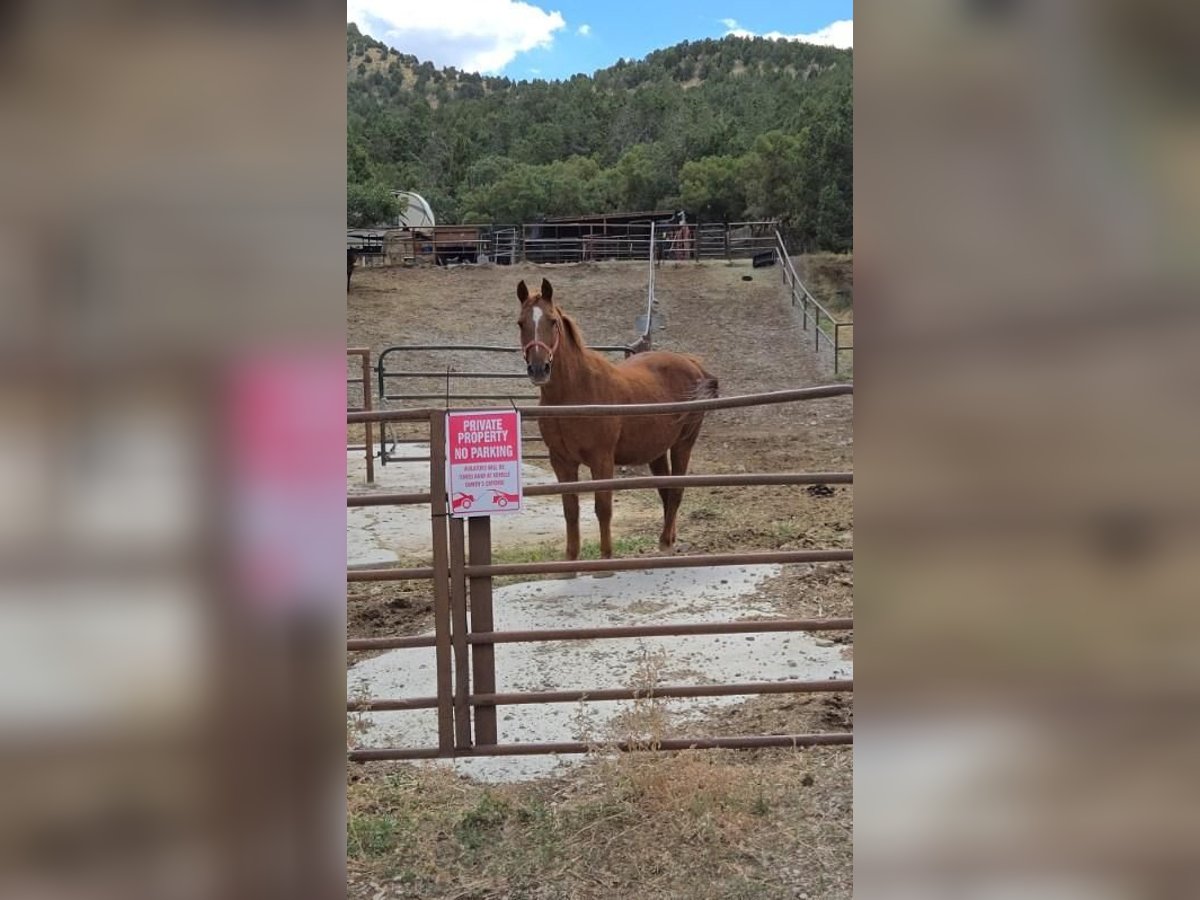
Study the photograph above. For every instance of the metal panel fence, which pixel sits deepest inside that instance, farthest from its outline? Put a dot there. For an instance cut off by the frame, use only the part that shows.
(562, 242)
(462, 572)
(362, 378)
(415, 385)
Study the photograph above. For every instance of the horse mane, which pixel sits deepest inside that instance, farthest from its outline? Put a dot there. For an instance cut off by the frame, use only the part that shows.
(571, 327)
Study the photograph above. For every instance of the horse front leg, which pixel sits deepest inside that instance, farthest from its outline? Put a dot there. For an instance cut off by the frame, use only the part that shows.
(603, 469)
(660, 467)
(566, 472)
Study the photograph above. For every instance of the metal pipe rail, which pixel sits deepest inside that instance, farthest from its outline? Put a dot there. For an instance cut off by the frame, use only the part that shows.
(747, 626)
(442, 374)
(631, 484)
(632, 564)
(747, 742)
(475, 348)
(629, 409)
(775, 557)
(603, 695)
(645, 338)
(417, 573)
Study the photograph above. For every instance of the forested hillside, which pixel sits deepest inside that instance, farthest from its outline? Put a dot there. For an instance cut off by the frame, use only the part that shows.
(726, 129)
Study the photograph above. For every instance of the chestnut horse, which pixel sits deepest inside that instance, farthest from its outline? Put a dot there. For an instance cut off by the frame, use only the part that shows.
(568, 373)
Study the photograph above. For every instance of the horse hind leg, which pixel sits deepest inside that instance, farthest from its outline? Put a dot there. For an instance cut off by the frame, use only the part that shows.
(681, 455)
(660, 467)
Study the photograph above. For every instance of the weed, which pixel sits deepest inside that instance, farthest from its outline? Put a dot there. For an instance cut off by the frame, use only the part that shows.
(358, 722)
(476, 826)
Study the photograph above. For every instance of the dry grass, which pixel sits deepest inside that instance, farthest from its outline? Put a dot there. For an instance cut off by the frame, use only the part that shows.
(830, 277)
(703, 824)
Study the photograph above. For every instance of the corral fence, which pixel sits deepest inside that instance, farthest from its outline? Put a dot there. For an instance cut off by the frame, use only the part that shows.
(811, 310)
(560, 242)
(465, 641)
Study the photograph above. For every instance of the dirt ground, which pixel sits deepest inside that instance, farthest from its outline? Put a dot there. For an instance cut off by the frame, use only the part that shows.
(782, 828)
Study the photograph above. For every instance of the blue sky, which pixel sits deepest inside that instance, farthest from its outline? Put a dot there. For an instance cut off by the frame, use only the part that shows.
(540, 39)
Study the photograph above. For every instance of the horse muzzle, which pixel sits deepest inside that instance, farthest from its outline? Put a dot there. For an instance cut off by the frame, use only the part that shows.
(539, 372)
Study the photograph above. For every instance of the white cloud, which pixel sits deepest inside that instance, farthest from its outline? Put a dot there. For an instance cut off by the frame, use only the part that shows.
(472, 35)
(835, 34)
(584, 29)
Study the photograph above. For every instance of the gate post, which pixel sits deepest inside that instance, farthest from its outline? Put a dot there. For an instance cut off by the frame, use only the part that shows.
(483, 656)
(441, 581)
(458, 632)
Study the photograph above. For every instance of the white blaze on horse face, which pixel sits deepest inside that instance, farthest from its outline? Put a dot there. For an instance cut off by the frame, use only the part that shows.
(537, 318)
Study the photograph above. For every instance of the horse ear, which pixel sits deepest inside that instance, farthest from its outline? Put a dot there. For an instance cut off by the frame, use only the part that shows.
(522, 292)
(547, 290)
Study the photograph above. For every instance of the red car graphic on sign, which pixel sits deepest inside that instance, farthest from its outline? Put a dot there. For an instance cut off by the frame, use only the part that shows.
(501, 498)
(461, 501)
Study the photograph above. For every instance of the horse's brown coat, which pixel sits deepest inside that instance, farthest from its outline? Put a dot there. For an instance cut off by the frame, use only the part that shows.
(568, 373)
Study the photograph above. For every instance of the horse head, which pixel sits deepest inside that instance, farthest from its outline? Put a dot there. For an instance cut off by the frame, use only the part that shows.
(541, 324)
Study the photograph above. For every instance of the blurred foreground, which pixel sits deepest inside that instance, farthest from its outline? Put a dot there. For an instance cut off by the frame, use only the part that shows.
(171, 452)
(1026, 226)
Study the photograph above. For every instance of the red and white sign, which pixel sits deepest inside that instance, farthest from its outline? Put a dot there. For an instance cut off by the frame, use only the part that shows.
(483, 462)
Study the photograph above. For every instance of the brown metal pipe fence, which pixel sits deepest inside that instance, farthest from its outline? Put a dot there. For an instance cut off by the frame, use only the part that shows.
(462, 572)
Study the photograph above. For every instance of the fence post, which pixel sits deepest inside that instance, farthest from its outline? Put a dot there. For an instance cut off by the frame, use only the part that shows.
(367, 405)
(483, 656)
(441, 581)
(458, 632)
(837, 334)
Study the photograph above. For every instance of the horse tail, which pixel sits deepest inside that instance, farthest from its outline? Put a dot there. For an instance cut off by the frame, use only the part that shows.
(707, 387)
